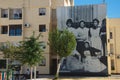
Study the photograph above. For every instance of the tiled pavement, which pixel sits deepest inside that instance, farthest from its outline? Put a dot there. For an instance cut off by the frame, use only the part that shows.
(48, 77)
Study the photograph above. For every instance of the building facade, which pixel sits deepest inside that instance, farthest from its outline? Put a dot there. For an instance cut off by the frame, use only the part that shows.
(113, 34)
(19, 18)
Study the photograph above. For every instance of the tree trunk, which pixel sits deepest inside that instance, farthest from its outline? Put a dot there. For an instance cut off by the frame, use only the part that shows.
(58, 69)
(34, 72)
(31, 73)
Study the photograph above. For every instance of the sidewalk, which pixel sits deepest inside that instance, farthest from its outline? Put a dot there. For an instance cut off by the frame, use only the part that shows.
(50, 77)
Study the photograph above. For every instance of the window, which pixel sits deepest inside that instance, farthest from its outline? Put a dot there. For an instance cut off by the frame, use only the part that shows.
(4, 29)
(112, 65)
(3, 45)
(42, 11)
(111, 49)
(15, 30)
(43, 45)
(4, 13)
(17, 44)
(3, 64)
(53, 14)
(111, 35)
(42, 28)
(15, 13)
(43, 62)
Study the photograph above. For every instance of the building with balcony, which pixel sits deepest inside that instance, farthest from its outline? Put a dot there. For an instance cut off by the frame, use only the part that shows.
(19, 18)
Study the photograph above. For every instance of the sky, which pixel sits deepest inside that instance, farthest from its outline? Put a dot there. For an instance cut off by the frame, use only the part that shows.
(113, 6)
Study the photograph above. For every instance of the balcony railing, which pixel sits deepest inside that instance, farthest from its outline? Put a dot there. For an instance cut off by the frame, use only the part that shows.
(11, 13)
(15, 14)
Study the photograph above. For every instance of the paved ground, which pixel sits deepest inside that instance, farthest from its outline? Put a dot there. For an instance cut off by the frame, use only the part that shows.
(48, 77)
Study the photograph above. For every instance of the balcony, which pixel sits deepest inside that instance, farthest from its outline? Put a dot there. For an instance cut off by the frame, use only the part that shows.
(11, 16)
(15, 16)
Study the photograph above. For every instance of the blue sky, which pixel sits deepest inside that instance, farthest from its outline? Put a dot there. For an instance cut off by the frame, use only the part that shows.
(113, 6)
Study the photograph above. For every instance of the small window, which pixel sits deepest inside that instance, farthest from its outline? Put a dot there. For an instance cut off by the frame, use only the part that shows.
(43, 45)
(3, 64)
(4, 13)
(17, 44)
(54, 14)
(42, 11)
(111, 49)
(112, 65)
(3, 45)
(43, 62)
(4, 29)
(42, 28)
(111, 35)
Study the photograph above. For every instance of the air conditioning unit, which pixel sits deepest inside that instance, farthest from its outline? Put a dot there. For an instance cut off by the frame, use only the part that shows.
(27, 25)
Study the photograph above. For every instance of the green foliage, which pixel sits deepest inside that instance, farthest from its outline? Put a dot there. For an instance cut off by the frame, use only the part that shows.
(9, 50)
(30, 51)
(62, 42)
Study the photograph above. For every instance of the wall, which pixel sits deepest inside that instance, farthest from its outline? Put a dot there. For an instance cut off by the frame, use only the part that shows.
(30, 12)
(114, 31)
(88, 24)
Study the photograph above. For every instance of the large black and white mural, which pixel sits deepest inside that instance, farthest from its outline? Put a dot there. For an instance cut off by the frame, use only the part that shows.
(88, 24)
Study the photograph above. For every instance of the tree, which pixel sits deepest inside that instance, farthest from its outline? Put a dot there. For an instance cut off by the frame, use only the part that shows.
(31, 52)
(62, 43)
(9, 51)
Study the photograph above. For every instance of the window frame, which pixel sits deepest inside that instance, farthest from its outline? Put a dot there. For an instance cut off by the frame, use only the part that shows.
(43, 45)
(111, 48)
(111, 35)
(43, 62)
(112, 64)
(4, 29)
(15, 30)
(4, 13)
(43, 26)
(15, 14)
(43, 13)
